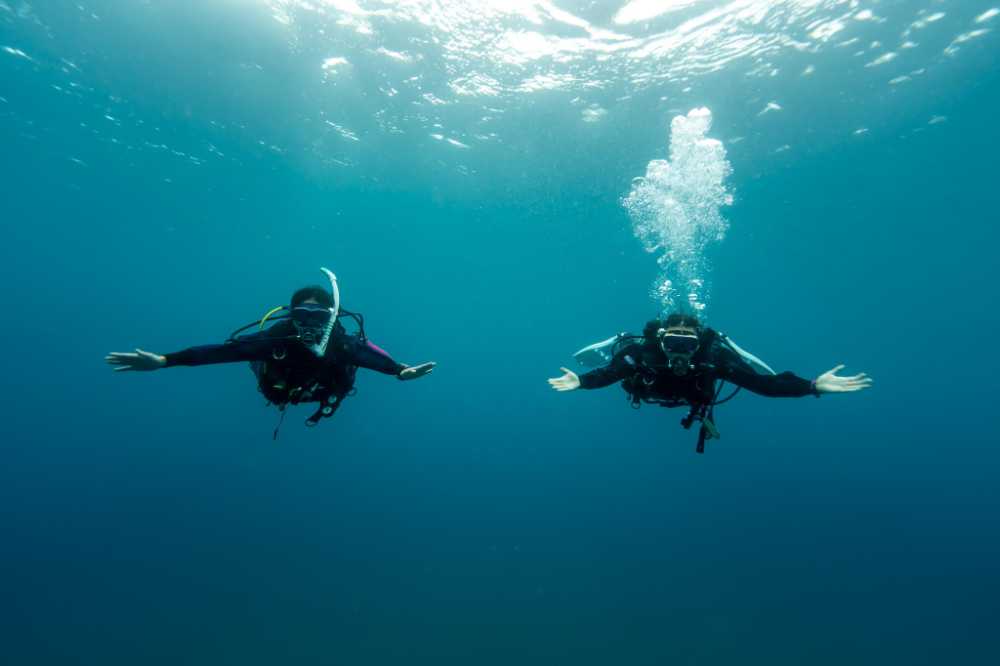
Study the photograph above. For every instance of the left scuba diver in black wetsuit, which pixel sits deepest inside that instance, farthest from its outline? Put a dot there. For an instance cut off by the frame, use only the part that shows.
(305, 355)
(678, 362)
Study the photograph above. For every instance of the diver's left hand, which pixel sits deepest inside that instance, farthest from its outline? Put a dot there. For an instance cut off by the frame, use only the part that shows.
(138, 360)
(829, 382)
(417, 371)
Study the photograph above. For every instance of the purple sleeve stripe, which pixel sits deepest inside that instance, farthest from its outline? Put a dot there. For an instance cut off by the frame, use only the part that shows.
(377, 349)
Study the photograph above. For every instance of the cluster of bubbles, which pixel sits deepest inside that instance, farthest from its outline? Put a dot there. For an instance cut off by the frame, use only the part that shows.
(676, 211)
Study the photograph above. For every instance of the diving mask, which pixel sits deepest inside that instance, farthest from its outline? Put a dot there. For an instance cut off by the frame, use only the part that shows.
(311, 316)
(311, 322)
(679, 345)
(314, 323)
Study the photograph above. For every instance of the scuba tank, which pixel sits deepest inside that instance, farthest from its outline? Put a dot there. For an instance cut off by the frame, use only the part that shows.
(601, 353)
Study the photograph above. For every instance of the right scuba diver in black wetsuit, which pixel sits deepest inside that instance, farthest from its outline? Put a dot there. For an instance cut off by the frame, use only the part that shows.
(678, 362)
(303, 355)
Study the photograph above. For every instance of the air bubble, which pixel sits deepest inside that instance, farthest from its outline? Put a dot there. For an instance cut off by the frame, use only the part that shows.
(676, 209)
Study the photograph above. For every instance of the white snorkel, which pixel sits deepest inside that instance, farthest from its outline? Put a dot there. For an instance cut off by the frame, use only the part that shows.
(319, 347)
(335, 289)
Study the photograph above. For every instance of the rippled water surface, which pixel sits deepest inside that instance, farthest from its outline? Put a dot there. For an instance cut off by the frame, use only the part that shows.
(335, 83)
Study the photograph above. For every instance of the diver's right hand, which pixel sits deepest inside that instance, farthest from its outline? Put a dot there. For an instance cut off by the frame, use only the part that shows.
(568, 382)
(138, 361)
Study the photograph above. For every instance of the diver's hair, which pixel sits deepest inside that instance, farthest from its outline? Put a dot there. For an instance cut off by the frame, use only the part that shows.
(315, 292)
(681, 319)
(673, 320)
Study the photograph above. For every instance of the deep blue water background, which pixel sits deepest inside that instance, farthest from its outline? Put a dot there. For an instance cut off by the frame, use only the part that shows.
(476, 517)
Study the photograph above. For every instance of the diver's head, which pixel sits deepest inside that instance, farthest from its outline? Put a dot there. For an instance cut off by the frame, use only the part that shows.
(311, 312)
(313, 294)
(679, 338)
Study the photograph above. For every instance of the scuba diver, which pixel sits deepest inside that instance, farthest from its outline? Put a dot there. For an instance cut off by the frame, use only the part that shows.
(305, 354)
(678, 362)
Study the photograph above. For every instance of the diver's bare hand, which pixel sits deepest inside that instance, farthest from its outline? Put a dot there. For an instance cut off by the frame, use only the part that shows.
(140, 361)
(416, 371)
(568, 382)
(829, 382)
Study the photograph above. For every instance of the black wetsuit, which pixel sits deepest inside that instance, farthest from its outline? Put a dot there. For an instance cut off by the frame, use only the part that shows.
(282, 364)
(642, 367)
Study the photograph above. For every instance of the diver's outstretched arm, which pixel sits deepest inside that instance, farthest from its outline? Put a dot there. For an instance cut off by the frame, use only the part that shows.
(829, 382)
(253, 347)
(138, 360)
(368, 355)
(789, 385)
(620, 367)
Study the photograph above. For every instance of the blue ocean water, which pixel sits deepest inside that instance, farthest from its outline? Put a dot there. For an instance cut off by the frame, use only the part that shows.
(173, 170)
